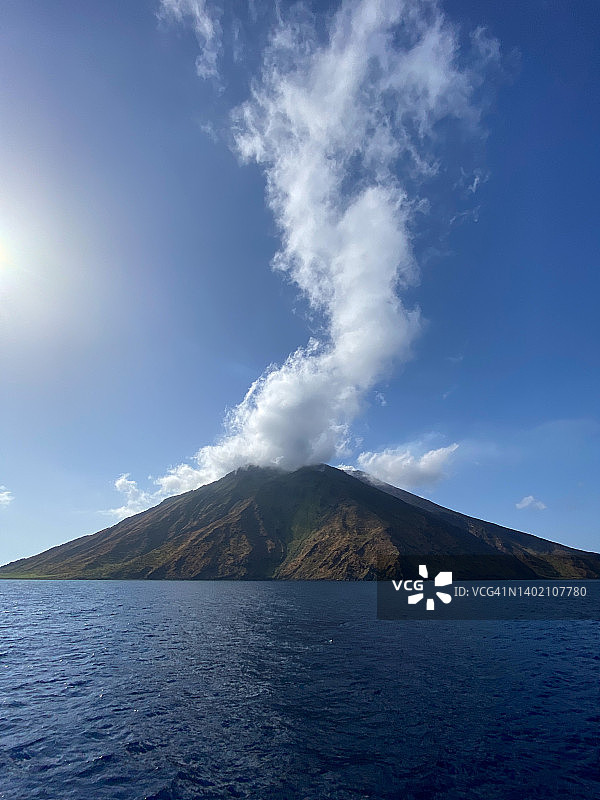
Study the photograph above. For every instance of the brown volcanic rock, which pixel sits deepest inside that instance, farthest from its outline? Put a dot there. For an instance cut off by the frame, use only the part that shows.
(315, 523)
(545, 558)
(348, 547)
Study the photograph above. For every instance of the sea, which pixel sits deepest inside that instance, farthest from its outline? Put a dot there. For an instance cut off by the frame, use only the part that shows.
(174, 690)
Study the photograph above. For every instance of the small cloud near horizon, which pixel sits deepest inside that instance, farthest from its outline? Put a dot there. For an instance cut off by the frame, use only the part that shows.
(6, 497)
(530, 502)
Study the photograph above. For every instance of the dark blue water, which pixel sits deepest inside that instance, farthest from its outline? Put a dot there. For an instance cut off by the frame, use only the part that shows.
(174, 690)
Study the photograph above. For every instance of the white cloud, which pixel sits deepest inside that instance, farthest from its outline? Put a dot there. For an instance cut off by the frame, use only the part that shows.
(206, 25)
(530, 502)
(407, 466)
(346, 133)
(208, 129)
(6, 497)
(136, 499)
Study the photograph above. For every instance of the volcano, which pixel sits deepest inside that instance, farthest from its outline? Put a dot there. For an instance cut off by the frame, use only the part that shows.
(317, 523)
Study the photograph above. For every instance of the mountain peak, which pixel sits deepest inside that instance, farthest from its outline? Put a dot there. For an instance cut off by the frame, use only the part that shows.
(316, 522)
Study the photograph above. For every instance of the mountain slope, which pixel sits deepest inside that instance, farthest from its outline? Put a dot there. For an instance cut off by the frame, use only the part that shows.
(315, 523)
(542, 555)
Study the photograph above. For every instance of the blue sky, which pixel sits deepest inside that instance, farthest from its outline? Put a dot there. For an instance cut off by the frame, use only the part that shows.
(431, 316)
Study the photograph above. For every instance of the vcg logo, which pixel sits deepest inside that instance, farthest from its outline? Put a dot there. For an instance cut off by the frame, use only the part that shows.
(416, 586)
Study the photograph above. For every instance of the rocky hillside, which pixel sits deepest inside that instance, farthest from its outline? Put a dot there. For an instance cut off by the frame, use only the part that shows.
(315, 523)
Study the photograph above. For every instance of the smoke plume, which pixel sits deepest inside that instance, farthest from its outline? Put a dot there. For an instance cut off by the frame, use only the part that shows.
(346, 126)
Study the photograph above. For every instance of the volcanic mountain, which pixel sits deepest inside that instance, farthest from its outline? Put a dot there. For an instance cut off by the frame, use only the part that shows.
(315, 523)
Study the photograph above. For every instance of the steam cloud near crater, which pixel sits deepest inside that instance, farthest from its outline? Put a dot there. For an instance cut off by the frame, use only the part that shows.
(346, 131)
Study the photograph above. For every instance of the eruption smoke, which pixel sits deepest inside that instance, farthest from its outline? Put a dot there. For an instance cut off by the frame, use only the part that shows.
(346, 129)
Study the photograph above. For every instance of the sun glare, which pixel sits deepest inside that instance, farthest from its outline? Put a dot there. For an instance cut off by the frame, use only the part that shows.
(5, 254)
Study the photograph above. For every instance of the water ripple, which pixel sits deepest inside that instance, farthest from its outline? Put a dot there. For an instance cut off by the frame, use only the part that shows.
(151, 691)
